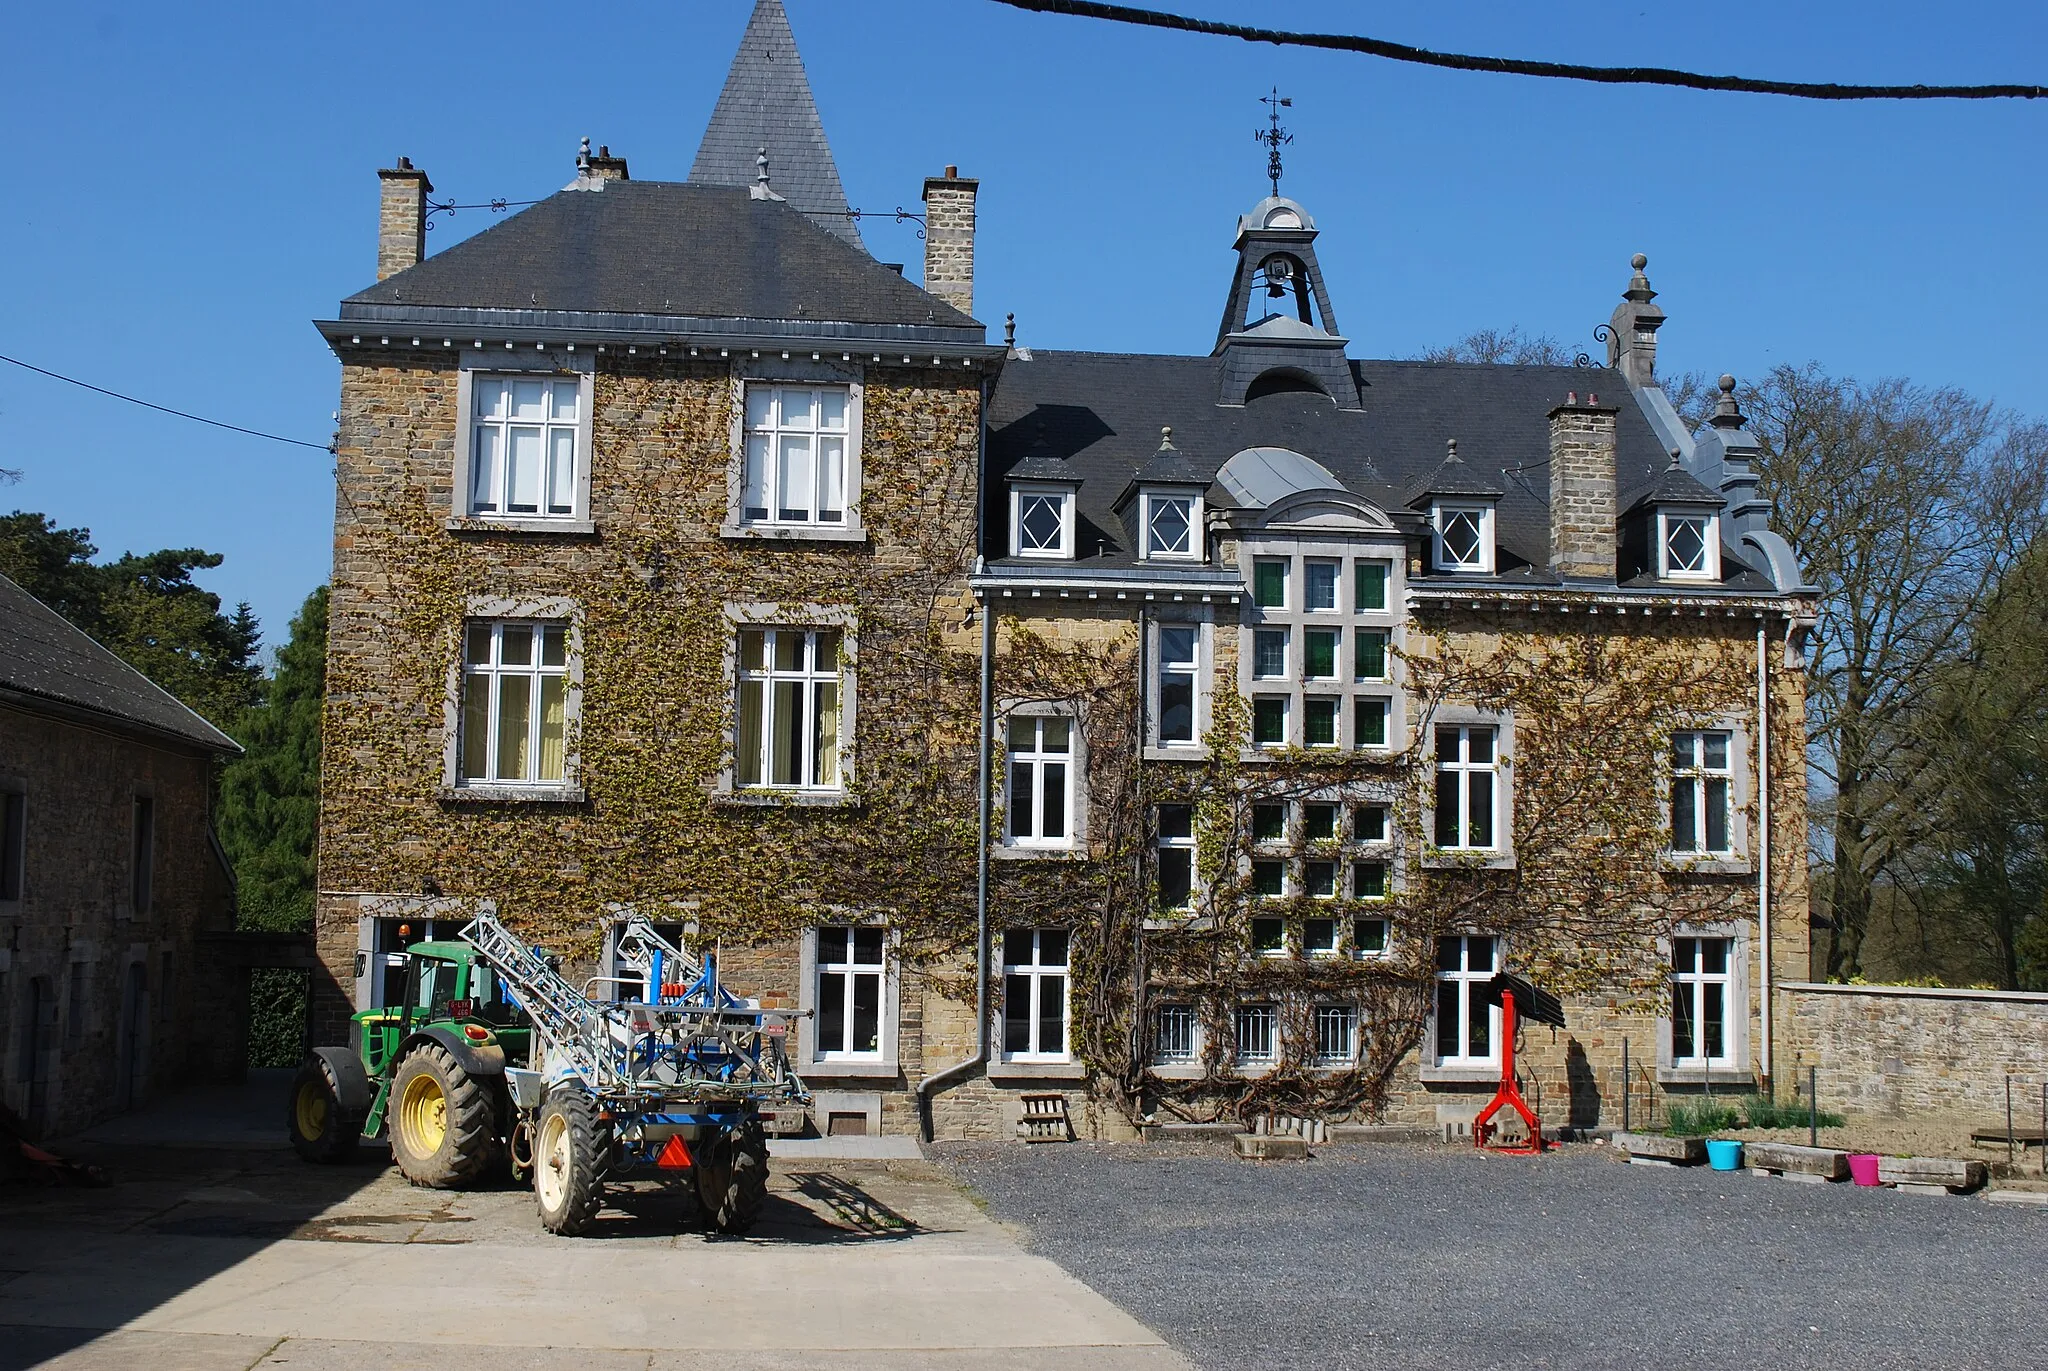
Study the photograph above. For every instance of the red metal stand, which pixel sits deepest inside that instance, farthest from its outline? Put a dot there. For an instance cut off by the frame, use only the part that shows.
(1509, 1093)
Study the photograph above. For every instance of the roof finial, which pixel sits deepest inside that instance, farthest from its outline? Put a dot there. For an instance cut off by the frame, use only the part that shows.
(583, 155)
(1639, 284)
(761, 163)
(1010, 331)
(1273, 136)
(1727, 414)
(1451, 451)
(1166, 438)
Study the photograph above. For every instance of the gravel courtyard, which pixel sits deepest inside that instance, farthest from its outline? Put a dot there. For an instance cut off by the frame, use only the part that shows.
(1413, 1256)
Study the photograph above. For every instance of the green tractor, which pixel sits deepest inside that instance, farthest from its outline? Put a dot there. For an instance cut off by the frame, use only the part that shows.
(429, 1072)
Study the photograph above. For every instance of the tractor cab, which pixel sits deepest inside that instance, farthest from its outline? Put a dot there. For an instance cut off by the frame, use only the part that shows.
(444, 984)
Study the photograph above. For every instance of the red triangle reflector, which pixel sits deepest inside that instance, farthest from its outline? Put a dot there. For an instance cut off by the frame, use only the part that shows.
(675, 1156)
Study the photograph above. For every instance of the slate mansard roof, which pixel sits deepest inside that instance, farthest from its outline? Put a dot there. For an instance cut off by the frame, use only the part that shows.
(46, 662)
(662, 257)
(1094, 418)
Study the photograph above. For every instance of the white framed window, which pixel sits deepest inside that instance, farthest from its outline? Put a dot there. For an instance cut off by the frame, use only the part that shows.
(1463, 535)
(1702, 995)
(529, 436)
(1258, 1034)
(1371, 937)
(1467, 776)
(1319, 937)
(1369, 823)
(1688, 546)
(1336, 1035)
(1269, 654)
(1176, 1039)
(1176, 856)
(1369, 715)
(800, 461)
(1368, 880)
(1269, 882)
(1319, 822)
(790, 699)
(1269, 582)
(1269, 822)
(1269, 936)
(1319, 654)
(1041, 521)
(1467, 1026)
(851, 971)
(1038, 800)
(1319, 720)
(1172, 525)
(515, 703)
(1319, 880)
(1319, 584)
(1369, 654)
(1035, 1012)
(1269, 720)
(1369, 585)
(1701, 779)
(1180, 665)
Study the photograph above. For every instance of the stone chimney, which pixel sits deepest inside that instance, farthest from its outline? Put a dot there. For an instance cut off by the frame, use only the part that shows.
(1582, 533)
(949, 238)
(601, 167)
(1632, 329)
(402, 217)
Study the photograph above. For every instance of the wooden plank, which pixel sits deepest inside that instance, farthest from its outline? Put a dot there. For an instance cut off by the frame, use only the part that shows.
(1952, 1172)
(1824, 1162)
(1683, 1151)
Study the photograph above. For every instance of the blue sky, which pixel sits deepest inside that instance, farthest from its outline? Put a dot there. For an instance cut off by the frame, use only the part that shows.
(192, 185)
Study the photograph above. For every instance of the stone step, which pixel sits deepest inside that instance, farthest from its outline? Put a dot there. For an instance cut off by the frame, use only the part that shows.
(1271, 1147)
(1657, 1147)
(1793, 1160)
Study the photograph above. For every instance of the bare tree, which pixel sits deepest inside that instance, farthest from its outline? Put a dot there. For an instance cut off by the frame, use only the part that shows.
(1908, 505)
(1509, 347)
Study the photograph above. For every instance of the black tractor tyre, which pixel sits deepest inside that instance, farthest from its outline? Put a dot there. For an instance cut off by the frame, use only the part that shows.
(732, 1178)
(572, 1152)
(320, 1128)
(440, 1121)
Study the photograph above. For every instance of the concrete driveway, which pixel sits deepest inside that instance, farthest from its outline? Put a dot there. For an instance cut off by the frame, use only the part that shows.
(208, 1257)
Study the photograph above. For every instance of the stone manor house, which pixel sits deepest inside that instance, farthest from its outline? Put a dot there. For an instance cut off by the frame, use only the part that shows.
(1158, 736)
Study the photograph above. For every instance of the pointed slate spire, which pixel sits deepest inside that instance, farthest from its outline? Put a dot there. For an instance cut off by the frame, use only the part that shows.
(767, 103)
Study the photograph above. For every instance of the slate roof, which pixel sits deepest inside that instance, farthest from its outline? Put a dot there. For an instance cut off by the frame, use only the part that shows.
(1096, 416)
(44, 658)
(659, 248)
(767, 103)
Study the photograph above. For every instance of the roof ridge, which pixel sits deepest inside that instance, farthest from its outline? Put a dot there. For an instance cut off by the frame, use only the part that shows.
(766, 103)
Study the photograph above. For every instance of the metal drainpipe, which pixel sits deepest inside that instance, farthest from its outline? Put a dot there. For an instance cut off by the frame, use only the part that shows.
(1763, 846)
(960, 1070)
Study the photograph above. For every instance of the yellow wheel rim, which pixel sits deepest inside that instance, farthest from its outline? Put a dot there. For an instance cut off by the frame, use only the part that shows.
(423, 1114)
(311, 1108)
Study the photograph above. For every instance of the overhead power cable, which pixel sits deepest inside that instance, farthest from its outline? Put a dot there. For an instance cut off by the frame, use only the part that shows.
(162, 409)
(1514, 66)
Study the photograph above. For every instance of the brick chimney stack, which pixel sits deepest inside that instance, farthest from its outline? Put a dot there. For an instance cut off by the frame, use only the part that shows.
(949, 238)
(601, 165)
(401, 217)
(1582, 479)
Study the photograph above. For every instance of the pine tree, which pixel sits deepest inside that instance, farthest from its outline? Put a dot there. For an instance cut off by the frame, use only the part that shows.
(270, 796)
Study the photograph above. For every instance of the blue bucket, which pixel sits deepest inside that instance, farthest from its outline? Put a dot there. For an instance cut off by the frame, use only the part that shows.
(1724, 1154)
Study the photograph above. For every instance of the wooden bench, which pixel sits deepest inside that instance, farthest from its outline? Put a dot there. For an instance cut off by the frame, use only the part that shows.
(1787, 1159)
(1657, 1150)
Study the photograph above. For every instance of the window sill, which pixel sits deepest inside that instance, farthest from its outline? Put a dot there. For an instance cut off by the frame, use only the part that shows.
(511, 795)
(785, 799)
(850, 1071)
(482, 524)
(1179, 921)
(791, 533)
(1006, 852)
(1179, 1071)
(1037, 1071)
(1461, 1075)
(1714, 1076)
(1438, 859)
(1678, 864)
(1176, 752)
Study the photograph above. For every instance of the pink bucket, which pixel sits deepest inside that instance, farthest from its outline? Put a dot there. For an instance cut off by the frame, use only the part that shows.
(1863, 1167)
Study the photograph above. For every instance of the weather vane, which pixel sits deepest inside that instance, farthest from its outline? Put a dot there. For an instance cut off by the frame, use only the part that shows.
(1273, 136)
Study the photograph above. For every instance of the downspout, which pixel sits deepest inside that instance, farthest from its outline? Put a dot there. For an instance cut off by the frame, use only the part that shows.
(931, 1084)
(1763, 846)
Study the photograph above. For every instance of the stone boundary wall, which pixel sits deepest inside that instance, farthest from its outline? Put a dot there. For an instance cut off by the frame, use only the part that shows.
(1896, 1049)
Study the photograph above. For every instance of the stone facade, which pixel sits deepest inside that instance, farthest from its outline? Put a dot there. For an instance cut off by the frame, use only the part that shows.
(402, 218)
(1582, 488)
(104, 1005)
(949, 238)
(1907, 1050)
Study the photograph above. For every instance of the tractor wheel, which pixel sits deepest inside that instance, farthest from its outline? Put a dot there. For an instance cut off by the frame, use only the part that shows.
(320, 1130)
(571, 1154)
(732, 1178)
(441, 1134)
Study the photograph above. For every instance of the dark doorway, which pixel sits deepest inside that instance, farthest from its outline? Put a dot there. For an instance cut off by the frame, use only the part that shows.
(132, 1086)
(38, 1043)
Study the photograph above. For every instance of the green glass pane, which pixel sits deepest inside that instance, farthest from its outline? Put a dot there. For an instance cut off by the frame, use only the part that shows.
(1269, 584)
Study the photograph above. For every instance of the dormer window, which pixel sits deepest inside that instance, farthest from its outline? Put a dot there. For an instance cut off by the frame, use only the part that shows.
(1172, 524)
(1463, 536)
(1688, 545)
(1042, 521)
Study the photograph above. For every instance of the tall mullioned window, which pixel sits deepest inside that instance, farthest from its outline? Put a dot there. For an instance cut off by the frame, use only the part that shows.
(789, 704)
(798, 455)
(1467, 770)
(515, 702)
(1700, 780)
(1702, 978)
(1466, 1023)
(850, 984)
(1035, 994)
(523, 446)
(1179, 670)
(1176, 854)
(1041, 781)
